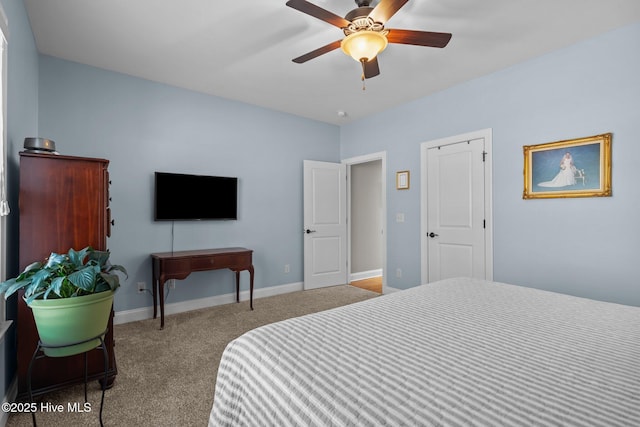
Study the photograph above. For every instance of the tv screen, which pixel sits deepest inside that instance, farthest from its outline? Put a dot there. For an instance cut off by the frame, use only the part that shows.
(194, 197)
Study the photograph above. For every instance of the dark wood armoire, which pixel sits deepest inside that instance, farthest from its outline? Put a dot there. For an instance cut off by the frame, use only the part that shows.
(64, 203)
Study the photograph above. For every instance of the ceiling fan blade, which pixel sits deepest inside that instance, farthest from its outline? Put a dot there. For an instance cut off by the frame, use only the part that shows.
(386, 9)
(318, 12)
(371, 68)
(418, 38)
(315, 53)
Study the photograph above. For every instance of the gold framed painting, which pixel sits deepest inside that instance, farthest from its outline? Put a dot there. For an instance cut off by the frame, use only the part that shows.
(402, 180)
(572, 168)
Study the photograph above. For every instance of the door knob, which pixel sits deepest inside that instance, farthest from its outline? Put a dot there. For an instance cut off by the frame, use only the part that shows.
(432, 235)
(309, 231)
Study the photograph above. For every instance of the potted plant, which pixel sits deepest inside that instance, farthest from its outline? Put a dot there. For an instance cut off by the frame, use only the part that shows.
(71, 296)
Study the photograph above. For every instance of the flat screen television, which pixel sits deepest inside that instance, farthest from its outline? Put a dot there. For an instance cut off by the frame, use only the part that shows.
(182, 197)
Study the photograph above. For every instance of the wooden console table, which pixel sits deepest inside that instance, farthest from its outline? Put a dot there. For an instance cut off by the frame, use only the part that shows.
(178, 265)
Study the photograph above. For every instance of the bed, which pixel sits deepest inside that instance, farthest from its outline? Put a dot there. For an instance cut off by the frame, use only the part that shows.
(458, 352)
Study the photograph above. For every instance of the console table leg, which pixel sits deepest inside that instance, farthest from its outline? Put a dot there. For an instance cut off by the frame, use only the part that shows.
(251, 287)
(237, 286)
(154, 286)
(161, 292)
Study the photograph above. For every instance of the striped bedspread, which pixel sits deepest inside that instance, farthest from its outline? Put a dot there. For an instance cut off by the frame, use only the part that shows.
(458, 352)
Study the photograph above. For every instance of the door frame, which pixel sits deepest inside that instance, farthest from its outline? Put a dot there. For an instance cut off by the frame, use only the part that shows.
(486, 134)
(366, 158)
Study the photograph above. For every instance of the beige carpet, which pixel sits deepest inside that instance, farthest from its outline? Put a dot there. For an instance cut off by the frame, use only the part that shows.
(167, 378)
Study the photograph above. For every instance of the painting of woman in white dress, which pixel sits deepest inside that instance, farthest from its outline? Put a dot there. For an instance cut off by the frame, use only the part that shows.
(572, 168)
(566, 176)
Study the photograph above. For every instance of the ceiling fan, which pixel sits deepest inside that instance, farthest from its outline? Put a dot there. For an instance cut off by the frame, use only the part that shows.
(365, 34)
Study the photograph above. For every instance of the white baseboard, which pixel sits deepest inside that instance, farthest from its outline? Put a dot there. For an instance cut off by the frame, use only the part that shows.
(12, 393)
(365, 275)
(144, 313)
(390, 290)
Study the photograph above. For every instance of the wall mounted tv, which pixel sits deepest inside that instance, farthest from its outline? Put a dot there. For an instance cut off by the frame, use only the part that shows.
(180, 197)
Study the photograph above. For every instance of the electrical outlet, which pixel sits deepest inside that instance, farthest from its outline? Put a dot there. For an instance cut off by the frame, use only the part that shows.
(287, 268)
(398, 272)
(141, 287)
(172, 284)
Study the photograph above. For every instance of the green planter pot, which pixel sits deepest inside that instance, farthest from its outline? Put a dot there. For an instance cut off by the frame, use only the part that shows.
(70, 320)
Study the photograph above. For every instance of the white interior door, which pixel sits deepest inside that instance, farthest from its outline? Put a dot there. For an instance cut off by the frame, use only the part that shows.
(455, 227)
(325, 224)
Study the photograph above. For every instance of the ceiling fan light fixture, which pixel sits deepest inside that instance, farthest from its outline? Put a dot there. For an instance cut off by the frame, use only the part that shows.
(364, 44)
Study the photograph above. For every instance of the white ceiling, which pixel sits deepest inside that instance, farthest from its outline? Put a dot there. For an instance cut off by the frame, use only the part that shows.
(242, 50)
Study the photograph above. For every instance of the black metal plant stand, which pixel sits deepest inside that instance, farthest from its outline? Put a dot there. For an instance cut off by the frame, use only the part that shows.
(39, 349)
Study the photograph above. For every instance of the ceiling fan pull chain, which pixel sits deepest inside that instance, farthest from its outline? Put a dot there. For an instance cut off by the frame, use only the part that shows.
(362, 61)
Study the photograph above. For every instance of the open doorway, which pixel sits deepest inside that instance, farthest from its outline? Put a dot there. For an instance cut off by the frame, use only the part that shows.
(366, 193)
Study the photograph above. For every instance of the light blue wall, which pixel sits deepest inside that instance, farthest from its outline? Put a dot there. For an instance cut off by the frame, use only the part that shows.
(22, 118)
(22, 105)
(142, 127)
(586, 247)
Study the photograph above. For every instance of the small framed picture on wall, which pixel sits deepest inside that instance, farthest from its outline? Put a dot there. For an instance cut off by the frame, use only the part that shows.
(402, 180)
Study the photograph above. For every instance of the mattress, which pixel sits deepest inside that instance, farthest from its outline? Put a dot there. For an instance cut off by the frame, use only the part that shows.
(458, 352)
